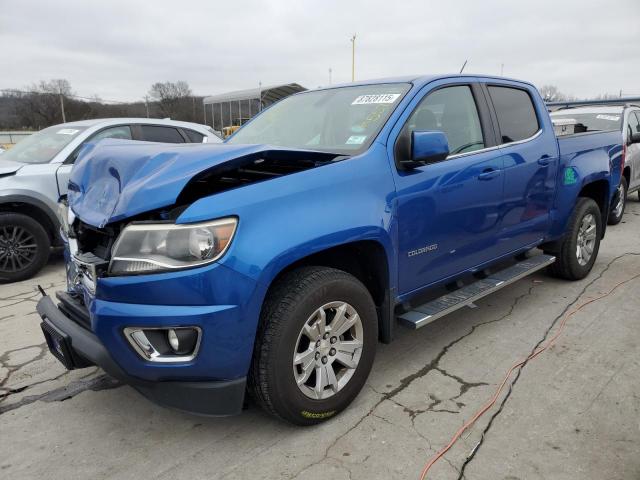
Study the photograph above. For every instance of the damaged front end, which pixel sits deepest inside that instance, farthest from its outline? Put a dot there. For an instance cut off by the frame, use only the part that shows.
(125, 197)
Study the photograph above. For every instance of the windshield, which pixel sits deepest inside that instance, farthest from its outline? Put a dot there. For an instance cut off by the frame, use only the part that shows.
(41, 147)
(591, 122)
(341, 120)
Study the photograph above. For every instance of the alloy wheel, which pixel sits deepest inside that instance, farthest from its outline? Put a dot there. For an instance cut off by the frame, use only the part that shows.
(17, 248)
(328, 350)
(586, 240)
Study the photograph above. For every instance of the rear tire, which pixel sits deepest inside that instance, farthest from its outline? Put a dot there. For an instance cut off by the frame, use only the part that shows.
(24, 247)
(619, 203)
(299, 342)
(579, 248)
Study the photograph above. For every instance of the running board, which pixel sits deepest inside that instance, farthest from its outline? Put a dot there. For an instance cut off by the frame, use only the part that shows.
(465, 296)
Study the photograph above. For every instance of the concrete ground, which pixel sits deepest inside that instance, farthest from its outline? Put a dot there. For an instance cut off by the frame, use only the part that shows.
(572, 413)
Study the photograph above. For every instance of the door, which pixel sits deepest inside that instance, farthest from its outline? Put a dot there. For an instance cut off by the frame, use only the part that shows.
(633, 149)
(448, 211)
(530, 168)
(64, 170)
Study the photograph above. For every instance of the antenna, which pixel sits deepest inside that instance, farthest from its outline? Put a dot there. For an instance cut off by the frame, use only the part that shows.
(463, 65)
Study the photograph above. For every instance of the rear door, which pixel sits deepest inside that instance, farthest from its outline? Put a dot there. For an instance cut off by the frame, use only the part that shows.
(633, 149)
(530, 166)
(64, 170)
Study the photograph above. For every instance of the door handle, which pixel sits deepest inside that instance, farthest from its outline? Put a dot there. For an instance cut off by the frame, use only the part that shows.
(544, 160)
(488, 174)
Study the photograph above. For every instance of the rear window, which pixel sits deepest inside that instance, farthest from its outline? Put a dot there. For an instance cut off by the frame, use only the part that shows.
(516, 115)
(155, 133)
(194, 137)
(590, 122)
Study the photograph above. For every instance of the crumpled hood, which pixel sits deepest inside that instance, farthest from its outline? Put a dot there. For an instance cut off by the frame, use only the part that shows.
(117, 179)
(7, 167)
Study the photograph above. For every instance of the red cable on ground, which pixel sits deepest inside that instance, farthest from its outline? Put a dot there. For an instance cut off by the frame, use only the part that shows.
(534, 354)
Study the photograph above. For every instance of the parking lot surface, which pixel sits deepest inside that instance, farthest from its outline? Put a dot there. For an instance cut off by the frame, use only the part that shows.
(572, 413)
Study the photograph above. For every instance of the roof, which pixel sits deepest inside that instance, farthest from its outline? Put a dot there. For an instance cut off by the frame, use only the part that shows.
(590, 109)
(112, 121)
(269, 94)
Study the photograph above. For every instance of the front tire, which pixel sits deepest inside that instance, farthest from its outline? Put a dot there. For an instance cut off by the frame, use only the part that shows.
(619, 203)
(579, 248)
(24, 247)
(315, 345)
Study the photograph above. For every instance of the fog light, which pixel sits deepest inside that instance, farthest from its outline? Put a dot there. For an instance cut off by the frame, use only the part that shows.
(173, 340)
(165, 344)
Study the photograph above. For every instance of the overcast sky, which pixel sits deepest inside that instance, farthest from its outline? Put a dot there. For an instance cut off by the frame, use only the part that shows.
(116, 49)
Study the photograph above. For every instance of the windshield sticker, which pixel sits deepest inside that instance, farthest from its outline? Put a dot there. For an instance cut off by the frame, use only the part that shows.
(379, 98)
(356, 139)
(67, 131)
(613, 118)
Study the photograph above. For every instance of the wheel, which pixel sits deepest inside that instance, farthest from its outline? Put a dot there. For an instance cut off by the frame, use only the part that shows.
(579, 248)
(315, 345)
(619, 202)
(24, 247)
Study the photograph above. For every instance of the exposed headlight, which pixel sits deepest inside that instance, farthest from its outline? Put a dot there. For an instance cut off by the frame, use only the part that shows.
(63, 216)
(156, 247)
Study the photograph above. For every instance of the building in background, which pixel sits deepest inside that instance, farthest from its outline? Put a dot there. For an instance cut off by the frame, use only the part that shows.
(229, 111)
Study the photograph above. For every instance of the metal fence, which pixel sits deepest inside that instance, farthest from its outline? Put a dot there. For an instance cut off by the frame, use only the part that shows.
(11, 138)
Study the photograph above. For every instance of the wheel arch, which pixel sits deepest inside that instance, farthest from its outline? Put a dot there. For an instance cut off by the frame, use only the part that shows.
(35, 209)
(626, 173)
(368, 261)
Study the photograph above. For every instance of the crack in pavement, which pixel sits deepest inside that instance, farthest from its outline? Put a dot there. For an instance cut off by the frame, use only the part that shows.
(11, 369)
(102, 382)
(512, 384)
(409, 379)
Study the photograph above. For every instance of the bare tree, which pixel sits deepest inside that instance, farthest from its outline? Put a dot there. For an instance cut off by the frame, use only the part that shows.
(551, 93)
(172, 98)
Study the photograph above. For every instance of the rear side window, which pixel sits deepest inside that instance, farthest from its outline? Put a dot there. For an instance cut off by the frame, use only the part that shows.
(194, 137)
(516, 114)
(155, 133)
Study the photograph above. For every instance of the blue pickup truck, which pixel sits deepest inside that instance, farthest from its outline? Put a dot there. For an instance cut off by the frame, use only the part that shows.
(273, 263)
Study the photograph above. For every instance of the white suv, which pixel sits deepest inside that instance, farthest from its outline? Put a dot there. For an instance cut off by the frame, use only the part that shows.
(35, 172)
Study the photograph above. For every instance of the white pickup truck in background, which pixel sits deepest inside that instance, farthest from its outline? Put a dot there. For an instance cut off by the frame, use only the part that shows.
(626, 119)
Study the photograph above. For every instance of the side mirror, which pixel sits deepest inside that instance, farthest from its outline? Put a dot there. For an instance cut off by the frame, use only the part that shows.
(635, 137)
(427, 147)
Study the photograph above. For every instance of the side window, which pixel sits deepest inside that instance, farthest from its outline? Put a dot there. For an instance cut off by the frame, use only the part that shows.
(194, 137)
(451, 110)
(156, 133)
(516, 115)
(634, 120)
(121, 131)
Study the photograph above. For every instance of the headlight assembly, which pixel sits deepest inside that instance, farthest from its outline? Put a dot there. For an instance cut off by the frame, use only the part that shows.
(158, 247)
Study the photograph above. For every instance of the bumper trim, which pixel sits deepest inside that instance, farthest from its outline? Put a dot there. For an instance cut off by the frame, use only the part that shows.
(211, 398)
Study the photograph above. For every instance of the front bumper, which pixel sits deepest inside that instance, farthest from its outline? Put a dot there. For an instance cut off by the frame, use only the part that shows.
(80, 347)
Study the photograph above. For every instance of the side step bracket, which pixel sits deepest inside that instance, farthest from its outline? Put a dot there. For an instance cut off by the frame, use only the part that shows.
(465, 296)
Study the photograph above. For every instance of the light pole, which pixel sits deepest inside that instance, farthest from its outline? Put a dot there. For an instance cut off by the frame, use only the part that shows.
(329, 76)
(353, 58)
(502, 69)
(64, 118)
